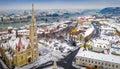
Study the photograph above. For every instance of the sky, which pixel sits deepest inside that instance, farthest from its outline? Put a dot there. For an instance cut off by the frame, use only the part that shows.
(58, 4)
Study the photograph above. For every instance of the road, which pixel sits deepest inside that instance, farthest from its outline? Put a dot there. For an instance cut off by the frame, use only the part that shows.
(66, 63)
(97, 29)
(3, 65)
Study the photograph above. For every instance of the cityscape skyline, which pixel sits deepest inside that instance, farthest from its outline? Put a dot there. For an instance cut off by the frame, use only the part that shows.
(58, 4)
(85, 34)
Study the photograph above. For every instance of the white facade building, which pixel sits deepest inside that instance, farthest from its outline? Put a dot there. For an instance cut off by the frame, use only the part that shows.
(100, 45)
(101, 61)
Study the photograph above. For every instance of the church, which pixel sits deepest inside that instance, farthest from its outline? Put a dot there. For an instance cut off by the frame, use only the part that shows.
(20, 50)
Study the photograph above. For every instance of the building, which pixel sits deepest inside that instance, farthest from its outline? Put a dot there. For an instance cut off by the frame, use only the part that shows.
(19, 50)
(23, 18)
(6, 19)
(17, 18)
(100, 45)
(89, 33)
(97, 60)
(23, 32)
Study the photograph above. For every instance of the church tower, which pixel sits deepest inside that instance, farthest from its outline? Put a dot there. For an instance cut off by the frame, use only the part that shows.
(33, 30)
(33, 37)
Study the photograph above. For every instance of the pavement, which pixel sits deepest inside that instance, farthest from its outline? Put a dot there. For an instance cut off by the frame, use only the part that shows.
(3, 65)
(66, 62)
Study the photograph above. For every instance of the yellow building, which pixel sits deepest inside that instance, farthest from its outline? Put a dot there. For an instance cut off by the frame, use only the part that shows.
(19, 51)
(6, 19)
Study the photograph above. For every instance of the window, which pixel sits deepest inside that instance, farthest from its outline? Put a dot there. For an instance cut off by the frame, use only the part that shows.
(95, 62)
(99, 63)
(116, 66)
(105, 64)
(109, 65)
(102, 63)
(112, 65)
(28, 53)
(92, 61)
(86, 60)
(104, 47)
(21, 57)
(89, 61)
(11, 62)
(83, 60)
(35, 51)
(83, 63)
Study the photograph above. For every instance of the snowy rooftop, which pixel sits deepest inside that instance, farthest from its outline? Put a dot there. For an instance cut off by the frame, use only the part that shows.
(15, 41)
(23, 30)
(3, 32)
(99, 56)
(110, 29)
(111, 38)
(4, 45)
(118, 28)
(101, 43)
(88, 31)
(10, 27)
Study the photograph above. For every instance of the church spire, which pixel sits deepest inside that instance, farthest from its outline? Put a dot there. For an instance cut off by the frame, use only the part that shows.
(32, 10)
(33, 29)
(33, 20)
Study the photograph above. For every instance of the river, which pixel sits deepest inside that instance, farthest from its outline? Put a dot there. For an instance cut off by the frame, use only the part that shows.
(49, 20)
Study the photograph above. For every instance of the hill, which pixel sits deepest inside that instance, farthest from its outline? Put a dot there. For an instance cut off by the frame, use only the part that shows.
(111, 10)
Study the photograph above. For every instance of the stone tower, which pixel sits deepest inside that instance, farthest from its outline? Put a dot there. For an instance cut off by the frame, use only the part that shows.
(33, 37)
(33, 30)
(55, 64)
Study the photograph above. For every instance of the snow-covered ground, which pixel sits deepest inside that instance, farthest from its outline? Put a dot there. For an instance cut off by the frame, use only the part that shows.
(57, 45)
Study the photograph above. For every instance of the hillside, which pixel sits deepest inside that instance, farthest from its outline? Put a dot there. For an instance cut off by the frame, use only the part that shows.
(111, 10)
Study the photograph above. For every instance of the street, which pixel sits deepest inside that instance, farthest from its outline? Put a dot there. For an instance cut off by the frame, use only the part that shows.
(66, 63)
(3, 65)
(97, 30)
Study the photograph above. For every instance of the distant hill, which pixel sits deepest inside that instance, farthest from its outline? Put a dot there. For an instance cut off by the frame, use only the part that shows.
(90, 11)
(111, 10)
